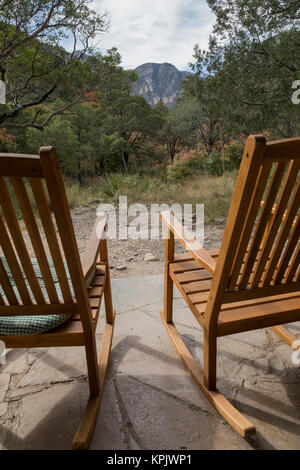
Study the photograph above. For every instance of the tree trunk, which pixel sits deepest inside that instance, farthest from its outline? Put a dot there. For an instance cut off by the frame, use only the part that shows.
(222, 150)
(125, 156)
(172, 149)
(79, 174)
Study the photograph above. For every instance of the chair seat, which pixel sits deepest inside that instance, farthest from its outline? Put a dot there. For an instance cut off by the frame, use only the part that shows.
(71, 330)
(194, 283)
(35, 324)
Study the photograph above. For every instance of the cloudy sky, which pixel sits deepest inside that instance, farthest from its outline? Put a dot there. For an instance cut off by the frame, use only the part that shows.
(156, 30)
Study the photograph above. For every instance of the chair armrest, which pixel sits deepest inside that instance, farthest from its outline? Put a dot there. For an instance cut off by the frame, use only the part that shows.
(188, 241)
(90, 256)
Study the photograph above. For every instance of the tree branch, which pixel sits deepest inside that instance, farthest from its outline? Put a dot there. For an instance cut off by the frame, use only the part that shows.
(4, 4)
(41, 126)
(15, 112)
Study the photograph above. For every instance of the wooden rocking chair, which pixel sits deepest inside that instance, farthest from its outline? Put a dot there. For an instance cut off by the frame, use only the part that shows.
(40, 175)
(253, 281)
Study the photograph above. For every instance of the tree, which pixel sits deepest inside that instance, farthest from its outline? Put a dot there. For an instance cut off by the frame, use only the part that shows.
(129, 121)
(62, 132)
(204, 102)
(178, 129)
(253, 60)
(37, 69)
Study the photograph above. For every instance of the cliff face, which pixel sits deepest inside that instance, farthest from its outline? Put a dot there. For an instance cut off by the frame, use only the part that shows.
(158, 81)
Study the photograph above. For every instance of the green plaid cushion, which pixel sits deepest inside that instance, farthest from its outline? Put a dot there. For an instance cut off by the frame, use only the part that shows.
(30, 325)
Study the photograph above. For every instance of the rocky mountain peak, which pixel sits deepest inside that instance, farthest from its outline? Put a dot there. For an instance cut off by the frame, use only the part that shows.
(158, 82)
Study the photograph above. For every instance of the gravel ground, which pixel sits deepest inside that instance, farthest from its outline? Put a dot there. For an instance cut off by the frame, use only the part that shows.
(134, 257)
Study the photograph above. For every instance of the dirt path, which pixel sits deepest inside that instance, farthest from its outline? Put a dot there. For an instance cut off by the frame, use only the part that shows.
(127, 257)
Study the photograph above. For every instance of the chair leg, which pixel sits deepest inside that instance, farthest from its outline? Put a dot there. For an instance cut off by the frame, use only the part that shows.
(92, 366)
(241, 424)
(168, 290)
(86, 428)
(210, 361)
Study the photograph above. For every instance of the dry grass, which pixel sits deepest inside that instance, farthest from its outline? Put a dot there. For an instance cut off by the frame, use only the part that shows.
(215, 192)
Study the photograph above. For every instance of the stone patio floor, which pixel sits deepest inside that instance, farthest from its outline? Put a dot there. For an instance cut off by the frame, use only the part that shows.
(150, 401)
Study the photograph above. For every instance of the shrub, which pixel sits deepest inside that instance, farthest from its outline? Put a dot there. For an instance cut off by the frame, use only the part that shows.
(196, 165)
(234, 155)
(111, 187)
(214, 164)
(78, 195)
(178, 171)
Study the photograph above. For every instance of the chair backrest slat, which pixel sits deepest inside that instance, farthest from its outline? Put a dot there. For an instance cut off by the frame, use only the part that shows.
(285, 195)
(49, 229)
(253, 253)
(55, 186)
(289, 250)
(282, 238)
(260, 248)
(21, 249)
(13, 264)
(34, 234)
(6, 286)
(248, 226)
(294, 269)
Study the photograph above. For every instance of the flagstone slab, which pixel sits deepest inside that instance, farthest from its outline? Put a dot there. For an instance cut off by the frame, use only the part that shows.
(4, 385)
(48, 419)
(159, 421)
(274, 408)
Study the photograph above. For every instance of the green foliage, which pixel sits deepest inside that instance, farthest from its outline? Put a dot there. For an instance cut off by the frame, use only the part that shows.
(178, 171)
(250, 65)
(201, 97)
(178, 130)
(210, 164)
(109, 155)
(128, 123)
(111, 188)
(234, 155)
(214, 164)
(61, 132)
(34, 65)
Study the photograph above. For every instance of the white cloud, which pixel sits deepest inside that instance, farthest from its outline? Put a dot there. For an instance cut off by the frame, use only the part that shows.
(156, 30)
